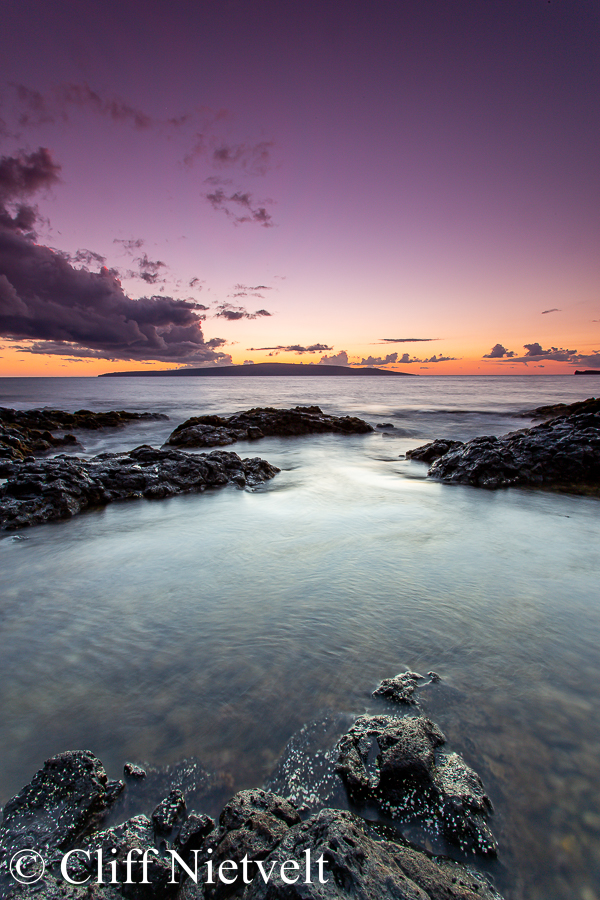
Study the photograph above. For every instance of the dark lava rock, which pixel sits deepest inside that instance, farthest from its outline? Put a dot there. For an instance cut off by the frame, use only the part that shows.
(400, 689)
(357, 866)
(192, 834)
(62, 803)
(556, 410)
(168, 812)
(130, 770)
(396, 764)
(208, 431)
(561, 454)
(29, 431)
(384, 425)
(434, 450)
(250, 826)
(134, 835)
(61, 487)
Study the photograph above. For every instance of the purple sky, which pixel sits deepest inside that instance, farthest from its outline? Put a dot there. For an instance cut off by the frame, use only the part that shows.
(361, 171)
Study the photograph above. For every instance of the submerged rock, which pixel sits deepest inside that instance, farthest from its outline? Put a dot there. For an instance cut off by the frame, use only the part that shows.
(58, 488)
(29, 431)
(209, 431)
(561, 454)
(396, 765)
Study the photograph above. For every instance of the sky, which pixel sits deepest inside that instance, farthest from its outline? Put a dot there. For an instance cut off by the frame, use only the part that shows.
(411, 184)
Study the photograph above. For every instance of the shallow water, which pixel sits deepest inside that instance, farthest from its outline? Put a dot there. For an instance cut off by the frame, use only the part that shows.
(217, 625)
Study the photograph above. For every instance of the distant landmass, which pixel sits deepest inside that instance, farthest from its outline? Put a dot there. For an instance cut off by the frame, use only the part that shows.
(586, 372)
(261, 369)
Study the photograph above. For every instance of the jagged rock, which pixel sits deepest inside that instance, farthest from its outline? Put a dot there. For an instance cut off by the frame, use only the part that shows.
(429, 452)
(357, 866)
(561, 454)
(556, 410)
(28, 431)
(136, 835)
(130, 770)
(61, 804)
(192, 834)
(384, 425)
(59, 488)
(168, 812)
(400, 689)
(208, 431)
(396, 764)
(250, 826)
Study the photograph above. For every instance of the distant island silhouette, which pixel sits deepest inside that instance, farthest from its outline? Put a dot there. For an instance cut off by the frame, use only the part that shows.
(262, 369)
(587, 372)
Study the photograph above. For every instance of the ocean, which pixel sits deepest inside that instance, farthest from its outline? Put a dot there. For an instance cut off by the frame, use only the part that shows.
(217, 625)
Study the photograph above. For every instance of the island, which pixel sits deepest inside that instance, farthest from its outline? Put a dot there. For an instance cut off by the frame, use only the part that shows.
(262, 369)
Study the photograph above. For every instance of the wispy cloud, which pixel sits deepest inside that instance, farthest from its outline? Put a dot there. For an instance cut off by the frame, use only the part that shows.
(233, 313)
(293, 348)
(239, 207)
(546, 311)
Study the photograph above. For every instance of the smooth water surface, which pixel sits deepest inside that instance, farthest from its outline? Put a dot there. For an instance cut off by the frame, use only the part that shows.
(216, 625)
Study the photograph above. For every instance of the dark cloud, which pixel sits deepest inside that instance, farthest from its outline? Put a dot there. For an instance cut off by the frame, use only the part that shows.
(238, 207)
(195, 283)
(74, 312)
(20, 176)
(406, 340)
(35, 108)
(294, 348)
(379, 361)
(26, 173)
(536, 353)
(337, 359)
(87, 257)
(497, 352)
(233, 313)
(545, 313)
(253, 158)
(148, 269)
(406, 360)
(130, 245)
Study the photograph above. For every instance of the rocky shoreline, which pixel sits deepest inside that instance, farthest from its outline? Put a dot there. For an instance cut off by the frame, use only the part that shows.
(75, 817)
(44, 490)
(253, 424)
(562, 453)
(28, 432)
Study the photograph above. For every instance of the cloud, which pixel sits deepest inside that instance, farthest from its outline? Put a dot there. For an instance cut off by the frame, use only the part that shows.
(233, 313)
(406, 359)
(20, 176)
(379, 360)
(195, 283)
(149, 269)
(35, 108)
(71, 311)
(497, 352)
(254, 159)
(238, 207)
(294, 348)
(338, 359)
(406, 340)
(536, 353)
(248, 362)
(545, 313)
(130, 245)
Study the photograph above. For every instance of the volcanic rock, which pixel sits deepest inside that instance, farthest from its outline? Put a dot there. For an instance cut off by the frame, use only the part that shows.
(58, 488)
(396, 764)
(560, 454)
(208, 431)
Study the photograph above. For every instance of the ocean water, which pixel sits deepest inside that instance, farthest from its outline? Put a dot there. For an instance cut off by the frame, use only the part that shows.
(217, 625)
